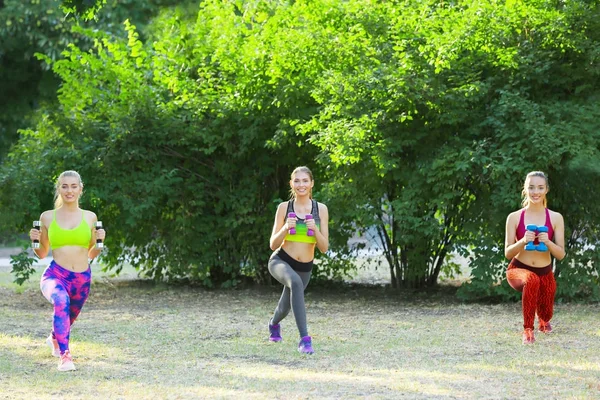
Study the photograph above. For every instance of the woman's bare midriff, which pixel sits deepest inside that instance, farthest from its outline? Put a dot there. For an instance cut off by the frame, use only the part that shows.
(303, 252)
(538, 260)
(73, 258)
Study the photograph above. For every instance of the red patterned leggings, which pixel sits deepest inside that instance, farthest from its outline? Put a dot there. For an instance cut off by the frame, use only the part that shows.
(538, 287)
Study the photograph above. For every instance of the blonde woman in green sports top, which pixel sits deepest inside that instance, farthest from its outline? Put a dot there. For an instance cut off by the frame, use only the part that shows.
(69, 231)
(301, 224)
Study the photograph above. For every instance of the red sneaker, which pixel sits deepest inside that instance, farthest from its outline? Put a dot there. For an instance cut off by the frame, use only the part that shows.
(528, 336)
(545, 327)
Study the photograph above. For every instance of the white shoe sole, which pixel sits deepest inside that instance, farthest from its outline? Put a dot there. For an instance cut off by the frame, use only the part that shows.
(68, 366)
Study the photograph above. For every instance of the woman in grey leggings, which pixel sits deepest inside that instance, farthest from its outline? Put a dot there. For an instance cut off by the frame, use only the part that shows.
(301, 224)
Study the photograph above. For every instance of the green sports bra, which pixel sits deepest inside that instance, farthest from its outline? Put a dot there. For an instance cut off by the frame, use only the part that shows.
(301, 234)
(78, 236)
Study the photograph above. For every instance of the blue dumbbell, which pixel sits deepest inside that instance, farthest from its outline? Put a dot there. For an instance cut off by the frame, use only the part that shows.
(537, 229)
(541, 246)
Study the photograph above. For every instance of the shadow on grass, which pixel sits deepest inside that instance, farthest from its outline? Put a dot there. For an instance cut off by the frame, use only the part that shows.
(137, 339)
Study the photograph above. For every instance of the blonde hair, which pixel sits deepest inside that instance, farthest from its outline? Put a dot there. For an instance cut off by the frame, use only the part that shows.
(530, 175)
(74, 174)
(294, 172)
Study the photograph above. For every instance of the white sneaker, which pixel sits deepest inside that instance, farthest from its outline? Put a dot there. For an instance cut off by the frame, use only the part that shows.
(53, 344)
(66, 362)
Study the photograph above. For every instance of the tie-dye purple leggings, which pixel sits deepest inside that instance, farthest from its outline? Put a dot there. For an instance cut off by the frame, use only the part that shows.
(67, 291)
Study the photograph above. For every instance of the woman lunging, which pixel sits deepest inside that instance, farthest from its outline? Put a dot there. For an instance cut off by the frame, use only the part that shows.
(70, 232)
(534, 234)
(301, 224)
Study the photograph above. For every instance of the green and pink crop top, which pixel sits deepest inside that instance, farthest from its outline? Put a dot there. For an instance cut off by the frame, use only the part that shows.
(80, 236)
(301, 229)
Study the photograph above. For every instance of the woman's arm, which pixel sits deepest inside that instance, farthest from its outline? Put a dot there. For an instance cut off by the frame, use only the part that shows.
(94, 251)
(512, 247)
(281, 226)
(42, 235)
(322, 234)
(556, 247)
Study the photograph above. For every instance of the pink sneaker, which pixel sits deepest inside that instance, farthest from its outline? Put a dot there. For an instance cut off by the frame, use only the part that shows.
(528, 336)
(53, 344)
(545, 326)
(66, 362)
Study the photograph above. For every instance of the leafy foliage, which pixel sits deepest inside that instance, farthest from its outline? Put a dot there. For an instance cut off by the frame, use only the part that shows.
(87, 9)
(420, 120)
(28, 27)
(22, 266)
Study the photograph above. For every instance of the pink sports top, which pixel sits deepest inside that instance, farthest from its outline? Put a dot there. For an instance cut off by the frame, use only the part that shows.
(521, 227)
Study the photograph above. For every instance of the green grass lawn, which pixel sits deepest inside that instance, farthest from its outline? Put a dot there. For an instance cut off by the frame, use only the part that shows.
(138, 340)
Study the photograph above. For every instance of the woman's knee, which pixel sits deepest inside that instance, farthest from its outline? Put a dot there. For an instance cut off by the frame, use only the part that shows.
(517, 284)
(61, 300)
(522, 281)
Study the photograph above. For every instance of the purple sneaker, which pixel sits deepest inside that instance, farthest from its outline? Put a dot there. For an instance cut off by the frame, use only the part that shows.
(305, 345)
(275, 333)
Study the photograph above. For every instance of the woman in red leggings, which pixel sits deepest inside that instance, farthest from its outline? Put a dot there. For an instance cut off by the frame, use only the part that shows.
(530, 271)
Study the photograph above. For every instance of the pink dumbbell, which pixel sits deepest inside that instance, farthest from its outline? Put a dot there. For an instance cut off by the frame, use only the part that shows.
(310, 232)
(292, 231)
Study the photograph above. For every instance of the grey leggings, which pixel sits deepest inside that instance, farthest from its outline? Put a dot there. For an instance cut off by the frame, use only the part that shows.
(294, 283)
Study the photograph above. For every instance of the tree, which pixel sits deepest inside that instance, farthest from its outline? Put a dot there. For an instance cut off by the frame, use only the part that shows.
(422, 118)
(190, 123)
(434, 116)
(33, 26)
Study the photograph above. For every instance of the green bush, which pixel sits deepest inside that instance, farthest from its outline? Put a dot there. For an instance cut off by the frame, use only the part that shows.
(419, 119)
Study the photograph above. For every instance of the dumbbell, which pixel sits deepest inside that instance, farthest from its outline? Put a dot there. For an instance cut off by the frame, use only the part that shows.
(537, 229)
(99, 243)
(292, 230)
(36, 243)
(310, 232)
